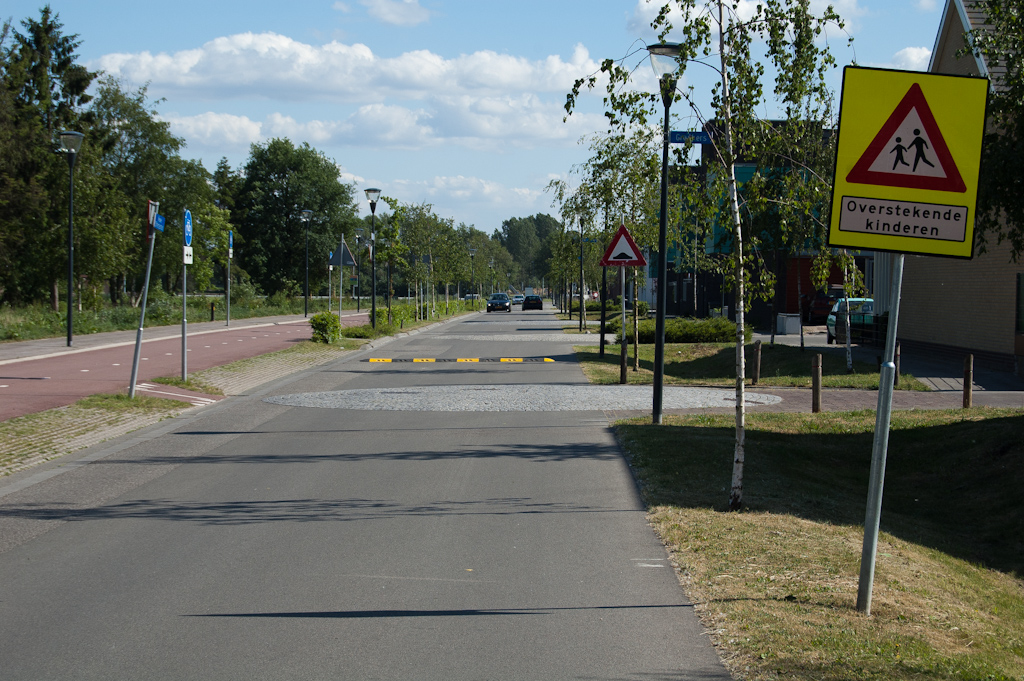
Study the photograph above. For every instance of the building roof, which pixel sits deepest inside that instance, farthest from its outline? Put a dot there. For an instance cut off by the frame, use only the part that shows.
(959, 17)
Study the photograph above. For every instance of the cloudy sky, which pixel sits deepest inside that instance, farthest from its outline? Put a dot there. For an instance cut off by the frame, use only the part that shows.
(457, 103)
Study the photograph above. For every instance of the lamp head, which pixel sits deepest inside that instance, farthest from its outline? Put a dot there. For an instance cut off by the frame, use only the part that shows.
(664, 58)
(372, 195)
(305, 215)
(70, 141)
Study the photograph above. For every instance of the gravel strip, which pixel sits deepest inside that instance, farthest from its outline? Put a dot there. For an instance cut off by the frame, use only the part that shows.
(519, 398)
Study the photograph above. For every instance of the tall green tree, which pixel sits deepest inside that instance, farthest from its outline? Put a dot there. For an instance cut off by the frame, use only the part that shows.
(140, 156)
(280, 181)
(46, 93)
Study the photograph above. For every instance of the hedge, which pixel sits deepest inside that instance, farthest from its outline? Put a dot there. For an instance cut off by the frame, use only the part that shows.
(686, 330)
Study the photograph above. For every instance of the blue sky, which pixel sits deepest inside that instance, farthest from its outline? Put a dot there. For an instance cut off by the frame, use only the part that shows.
(456, 103)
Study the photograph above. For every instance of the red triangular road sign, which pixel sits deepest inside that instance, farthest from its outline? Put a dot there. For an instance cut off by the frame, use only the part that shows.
(909, 151)
(623, 251)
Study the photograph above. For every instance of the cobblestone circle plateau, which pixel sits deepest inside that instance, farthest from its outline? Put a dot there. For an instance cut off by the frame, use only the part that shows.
(487, 398)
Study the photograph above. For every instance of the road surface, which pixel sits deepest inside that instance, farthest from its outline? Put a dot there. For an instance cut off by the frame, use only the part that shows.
(361, 520)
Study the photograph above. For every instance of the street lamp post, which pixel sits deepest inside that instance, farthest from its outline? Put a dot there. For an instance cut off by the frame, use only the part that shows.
(304, 216)
(359, 267)
(583, 304)
(388, 244)
(70, 143)
(472, 275)
(372, 195)
(665, 61)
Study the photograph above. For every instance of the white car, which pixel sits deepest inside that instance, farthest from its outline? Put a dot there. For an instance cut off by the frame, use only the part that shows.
(518, 299)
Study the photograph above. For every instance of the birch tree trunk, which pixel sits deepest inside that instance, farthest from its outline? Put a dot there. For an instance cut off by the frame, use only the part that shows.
(736, 494)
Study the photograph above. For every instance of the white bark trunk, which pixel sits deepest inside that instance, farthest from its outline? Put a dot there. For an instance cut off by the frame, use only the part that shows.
(739, 454)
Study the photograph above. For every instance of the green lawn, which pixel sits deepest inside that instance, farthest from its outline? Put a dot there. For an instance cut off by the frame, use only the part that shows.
(776, 584)
(715, 364)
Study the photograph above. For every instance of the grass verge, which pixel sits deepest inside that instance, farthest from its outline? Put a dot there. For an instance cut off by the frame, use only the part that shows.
(777, 583)
(715, 364)
(32, 439)
(192, 383)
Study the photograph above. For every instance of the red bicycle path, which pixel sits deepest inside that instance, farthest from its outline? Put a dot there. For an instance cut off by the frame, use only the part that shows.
(45, 374)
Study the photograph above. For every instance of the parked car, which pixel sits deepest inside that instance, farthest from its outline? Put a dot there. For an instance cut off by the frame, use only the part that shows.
(499, 301)
(533, 303)
(819, 304)
(517, 299)
(862, 312)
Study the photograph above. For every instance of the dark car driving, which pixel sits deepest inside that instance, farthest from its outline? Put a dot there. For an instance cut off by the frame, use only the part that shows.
(499, 301)
(533, 303)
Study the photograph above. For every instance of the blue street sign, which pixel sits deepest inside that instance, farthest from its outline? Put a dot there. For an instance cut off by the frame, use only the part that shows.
(188, 227)
(158, 223)
(695, 136)
(231, 238)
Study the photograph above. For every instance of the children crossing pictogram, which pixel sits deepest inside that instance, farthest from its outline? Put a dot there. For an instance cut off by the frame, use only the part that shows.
(911, 130)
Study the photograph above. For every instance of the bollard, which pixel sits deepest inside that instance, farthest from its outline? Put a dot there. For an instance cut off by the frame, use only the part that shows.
(757, 363)
(816, 384)
(968, 381)
(212, 308)
(896, 361)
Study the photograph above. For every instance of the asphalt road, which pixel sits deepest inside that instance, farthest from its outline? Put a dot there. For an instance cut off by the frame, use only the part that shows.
(257, 540)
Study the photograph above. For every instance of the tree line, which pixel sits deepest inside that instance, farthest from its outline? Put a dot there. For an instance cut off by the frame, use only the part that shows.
(130, 156)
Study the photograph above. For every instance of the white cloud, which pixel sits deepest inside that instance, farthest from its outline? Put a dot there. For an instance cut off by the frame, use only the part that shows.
(912, 58)
(276, 67)
(349, 177)
(489, 124)
(926, 5)
(397, 12)
(446, 193)
(216, 129)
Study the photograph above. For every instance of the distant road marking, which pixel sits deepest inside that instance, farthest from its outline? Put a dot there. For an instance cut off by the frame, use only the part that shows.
(388, 360)
(195, 400)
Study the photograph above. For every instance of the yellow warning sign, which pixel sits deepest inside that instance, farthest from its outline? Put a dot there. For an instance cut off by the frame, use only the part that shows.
(907, 160)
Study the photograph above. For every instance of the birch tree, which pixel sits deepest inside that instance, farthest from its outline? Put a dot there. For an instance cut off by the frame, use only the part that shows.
(714, 34)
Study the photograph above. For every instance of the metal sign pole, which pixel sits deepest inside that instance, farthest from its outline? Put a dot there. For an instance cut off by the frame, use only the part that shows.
(623, 352)
(186, 242)
(230, 248)
(142, 315)
(880, 446)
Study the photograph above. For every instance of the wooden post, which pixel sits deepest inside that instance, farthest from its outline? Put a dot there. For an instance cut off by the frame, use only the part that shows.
(896, 361)
(212, 307)
(816, 384)
(968, 381)
(757, 363)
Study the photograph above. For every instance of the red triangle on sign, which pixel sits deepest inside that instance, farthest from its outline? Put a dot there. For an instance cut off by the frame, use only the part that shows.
(909, 151)
(623, 251)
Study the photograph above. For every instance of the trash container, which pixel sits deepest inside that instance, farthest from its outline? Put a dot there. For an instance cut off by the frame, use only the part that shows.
(788, 324)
